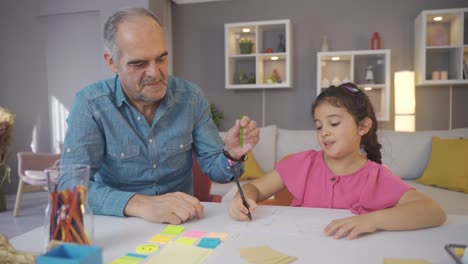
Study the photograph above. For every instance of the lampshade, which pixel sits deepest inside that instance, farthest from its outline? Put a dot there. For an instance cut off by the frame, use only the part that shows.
(405, 101)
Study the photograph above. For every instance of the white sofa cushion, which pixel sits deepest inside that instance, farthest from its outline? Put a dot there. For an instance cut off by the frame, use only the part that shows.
(407, 153)
(292, 141)
(265, 150)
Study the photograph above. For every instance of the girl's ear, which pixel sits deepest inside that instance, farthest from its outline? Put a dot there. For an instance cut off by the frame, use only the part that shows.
(364, 126)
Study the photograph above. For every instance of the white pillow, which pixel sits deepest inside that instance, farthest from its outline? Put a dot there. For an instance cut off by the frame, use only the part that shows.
(35, 174)
(265, 150)
(293, 141)
(407, 153)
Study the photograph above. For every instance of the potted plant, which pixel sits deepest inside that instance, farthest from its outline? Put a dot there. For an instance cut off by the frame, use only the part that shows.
(7, 120)
(245, 45)
(216, 115)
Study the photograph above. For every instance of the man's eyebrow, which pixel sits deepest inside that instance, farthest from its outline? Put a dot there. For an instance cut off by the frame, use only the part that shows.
(163, 54)
(140, 61)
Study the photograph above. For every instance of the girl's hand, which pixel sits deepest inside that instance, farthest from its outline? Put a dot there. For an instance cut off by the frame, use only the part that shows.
(238, 211)
(350, 227)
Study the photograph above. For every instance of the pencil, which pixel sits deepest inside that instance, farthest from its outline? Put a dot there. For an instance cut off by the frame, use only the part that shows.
(244, 202)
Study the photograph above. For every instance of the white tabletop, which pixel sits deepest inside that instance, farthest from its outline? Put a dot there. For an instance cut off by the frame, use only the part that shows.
(290, 230)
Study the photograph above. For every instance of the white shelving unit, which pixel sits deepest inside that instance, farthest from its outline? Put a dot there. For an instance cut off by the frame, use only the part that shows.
(441, 44)
(338, 67)
(272, 47)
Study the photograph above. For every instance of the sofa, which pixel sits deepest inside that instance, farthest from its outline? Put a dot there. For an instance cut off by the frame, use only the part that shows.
(407, 154)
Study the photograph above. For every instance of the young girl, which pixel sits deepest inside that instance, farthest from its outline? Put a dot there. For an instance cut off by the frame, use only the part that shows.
(346, 173)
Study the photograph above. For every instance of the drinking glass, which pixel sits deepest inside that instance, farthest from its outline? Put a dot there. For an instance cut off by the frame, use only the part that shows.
(68, 216)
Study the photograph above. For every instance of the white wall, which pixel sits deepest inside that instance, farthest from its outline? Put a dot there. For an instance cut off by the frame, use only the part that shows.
(49, 48)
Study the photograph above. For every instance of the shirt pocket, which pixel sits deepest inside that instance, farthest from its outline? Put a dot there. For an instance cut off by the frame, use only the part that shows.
(179, 152)
(122, 153)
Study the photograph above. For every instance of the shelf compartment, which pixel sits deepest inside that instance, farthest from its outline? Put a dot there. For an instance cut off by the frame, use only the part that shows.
(376, 97)
(244, 66)
(235, 34)
(377, 61)
(273, 37)
(335, 69)
(444, 59)
(446, 32)
(266, 67)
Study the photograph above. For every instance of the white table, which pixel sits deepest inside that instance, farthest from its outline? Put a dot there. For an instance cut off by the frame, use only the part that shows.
(290, 230)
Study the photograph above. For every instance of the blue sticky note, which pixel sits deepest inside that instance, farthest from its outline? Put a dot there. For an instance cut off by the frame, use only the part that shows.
(209, 242)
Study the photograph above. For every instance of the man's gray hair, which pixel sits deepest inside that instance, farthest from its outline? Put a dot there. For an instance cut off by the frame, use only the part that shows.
(112, 23)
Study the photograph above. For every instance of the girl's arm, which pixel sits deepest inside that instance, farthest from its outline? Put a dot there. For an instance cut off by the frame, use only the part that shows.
(414, 210)
(256, 191)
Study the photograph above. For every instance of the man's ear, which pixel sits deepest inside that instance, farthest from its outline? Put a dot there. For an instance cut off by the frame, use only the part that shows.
(110, 61)
(364, 126)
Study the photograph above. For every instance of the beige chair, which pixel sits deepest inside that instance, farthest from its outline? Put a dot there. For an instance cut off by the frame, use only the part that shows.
(31, 174)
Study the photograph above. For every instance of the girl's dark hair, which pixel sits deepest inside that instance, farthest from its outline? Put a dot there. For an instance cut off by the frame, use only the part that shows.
(357, 103)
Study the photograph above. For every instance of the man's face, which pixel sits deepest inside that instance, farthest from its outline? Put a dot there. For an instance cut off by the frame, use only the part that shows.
(143, 62)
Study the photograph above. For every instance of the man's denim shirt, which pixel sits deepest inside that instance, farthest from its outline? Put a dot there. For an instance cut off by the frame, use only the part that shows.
(128, 156)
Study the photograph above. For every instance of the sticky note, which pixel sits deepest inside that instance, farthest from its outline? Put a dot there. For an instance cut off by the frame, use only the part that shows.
(161, 238)
(221, 236)
(179, 254)
(265, 254)
(173, 230)
(146, 249)
(193, 233)
(208, 242)
(129, 258)
(186, 240)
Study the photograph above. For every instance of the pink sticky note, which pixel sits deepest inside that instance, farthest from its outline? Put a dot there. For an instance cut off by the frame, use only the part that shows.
(194, 233)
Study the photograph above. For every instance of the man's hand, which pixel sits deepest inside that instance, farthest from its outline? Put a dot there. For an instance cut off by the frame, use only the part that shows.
(173, 208)
(350, 227)
(250, 138)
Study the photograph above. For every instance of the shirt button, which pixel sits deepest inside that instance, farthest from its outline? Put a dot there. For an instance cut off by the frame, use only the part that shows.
(138, 118)
(122, 155)
(150, 140)
(154, 165)
(68, 150)
(333, 179)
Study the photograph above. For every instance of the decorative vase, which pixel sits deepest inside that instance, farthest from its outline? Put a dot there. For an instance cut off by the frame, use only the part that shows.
(245, 48)
(325, 43)
(375, 41)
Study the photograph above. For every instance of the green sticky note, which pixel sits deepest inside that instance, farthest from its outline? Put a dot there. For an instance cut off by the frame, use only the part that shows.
(186, 240)
(173, 230)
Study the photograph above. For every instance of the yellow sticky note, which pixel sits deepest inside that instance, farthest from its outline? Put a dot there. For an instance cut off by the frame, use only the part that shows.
(404, 261)
(173, 230)
(175, 253)
(161, 239)
(186, 240)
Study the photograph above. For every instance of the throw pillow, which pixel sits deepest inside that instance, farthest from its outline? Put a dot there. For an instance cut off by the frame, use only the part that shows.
(251, 168)
(447, 167)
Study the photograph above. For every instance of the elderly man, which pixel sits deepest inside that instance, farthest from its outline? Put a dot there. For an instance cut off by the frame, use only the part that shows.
(138, 130)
